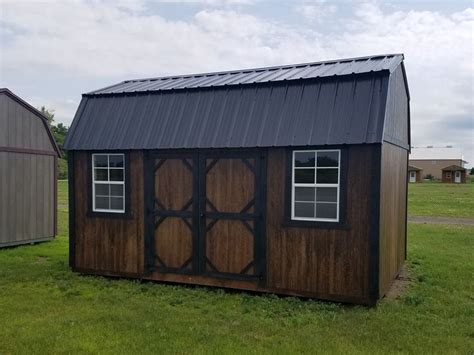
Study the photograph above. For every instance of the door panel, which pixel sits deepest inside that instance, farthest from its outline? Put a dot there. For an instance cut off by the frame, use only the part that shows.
(232, 216)
(174, 211)
(230, 184)
(205, 214)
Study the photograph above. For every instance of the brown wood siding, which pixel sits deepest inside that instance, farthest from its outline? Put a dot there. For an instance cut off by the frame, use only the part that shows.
(327, 263)
(21, 128)
(27, 203)
(109, 245)
(393, 189)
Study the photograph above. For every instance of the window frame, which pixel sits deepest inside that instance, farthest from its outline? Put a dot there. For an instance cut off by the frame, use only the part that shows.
(341, 222)
(106, 213)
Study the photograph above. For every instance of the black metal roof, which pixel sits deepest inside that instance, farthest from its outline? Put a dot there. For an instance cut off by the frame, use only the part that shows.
(325, 103)
(259, 75)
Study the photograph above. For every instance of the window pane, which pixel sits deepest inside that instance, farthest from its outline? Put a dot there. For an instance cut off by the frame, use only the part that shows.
(100, 175)
(328, 159)
(326, 194)
(304, 194)
(304, 176)
(116, 190)
(305, 210)
(100, 160)
(116, 174)
(102, 203)
(327, 176)
(116, 161)
(102, 189)
(116, 203)
(326, 210)
(304, 159)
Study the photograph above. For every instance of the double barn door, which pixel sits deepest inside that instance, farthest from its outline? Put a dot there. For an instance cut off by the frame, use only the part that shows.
(205, 214)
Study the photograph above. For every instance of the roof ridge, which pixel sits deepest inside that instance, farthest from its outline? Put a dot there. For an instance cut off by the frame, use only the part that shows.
(289, 72)
(283, 66)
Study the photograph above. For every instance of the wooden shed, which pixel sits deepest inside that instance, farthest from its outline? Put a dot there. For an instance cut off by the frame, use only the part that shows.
(414, 174)
(288, 179)
(453, 174)
(28, 168)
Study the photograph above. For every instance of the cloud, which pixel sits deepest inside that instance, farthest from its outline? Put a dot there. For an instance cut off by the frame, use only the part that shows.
(315, 10)
(95, 43)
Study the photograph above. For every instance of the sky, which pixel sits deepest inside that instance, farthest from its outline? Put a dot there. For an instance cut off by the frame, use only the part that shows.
(53, 51)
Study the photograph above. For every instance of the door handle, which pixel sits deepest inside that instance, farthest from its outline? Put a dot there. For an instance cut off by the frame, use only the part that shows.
(202, 215)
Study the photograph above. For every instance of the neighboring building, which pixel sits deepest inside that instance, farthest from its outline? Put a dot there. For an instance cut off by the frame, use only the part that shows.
(28, 163)
(454, 174)
(288, 179)
(432, 160)
(414, 174)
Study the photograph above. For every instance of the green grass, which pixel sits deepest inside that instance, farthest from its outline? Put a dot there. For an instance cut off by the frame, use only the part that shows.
(438, 199)
(45, 308)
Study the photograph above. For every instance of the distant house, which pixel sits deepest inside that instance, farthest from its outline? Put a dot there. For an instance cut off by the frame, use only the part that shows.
(28, 161)
(454, 174)
(415, 174)
(432, 160)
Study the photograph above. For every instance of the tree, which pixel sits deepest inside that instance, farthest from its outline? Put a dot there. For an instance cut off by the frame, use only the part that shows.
(59, 133)
(48, 114)
(472, 171)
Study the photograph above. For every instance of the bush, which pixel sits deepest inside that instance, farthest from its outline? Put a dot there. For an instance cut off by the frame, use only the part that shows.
(62, 169)
(429, 177)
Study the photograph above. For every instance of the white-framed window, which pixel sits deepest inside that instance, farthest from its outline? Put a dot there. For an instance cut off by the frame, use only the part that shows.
(108, 183)
(315, 184)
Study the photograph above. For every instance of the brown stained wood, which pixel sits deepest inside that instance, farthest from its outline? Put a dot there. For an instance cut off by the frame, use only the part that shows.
(230, 185)
(173, 184)
(229, 246)
(321, 261)
(109, 244)
(173, 242)
(392, 214)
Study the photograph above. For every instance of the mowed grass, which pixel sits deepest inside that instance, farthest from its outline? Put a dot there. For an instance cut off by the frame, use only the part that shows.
(45, 308)
(438, 199)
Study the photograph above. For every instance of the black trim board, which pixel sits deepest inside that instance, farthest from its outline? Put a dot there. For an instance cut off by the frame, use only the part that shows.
(72, 210)
(374, 218)
(109, 215)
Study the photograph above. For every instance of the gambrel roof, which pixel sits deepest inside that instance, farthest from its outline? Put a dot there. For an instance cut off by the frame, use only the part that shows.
(349, 101)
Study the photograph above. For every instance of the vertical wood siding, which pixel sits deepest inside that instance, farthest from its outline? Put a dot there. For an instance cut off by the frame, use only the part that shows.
(393, 189)
(328, 263)
(21, 128)
(27, 204)
(109, 245)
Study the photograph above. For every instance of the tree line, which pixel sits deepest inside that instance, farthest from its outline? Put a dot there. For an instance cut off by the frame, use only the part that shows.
(59, 131)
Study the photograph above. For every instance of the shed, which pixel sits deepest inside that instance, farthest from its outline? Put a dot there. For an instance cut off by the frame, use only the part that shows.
(288, 179)
(454, 174)
(28, 168)
(414, 174)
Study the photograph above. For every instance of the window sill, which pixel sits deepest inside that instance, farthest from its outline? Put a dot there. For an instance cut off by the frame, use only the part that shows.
(290, 223)
(109, 215)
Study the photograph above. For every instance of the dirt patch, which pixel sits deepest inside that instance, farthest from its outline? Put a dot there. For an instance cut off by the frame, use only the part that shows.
(400, 285)
(441, 220)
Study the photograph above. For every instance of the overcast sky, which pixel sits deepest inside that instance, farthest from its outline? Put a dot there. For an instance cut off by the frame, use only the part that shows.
(53, 51)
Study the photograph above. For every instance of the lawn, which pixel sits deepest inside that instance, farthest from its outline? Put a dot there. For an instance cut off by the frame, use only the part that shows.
(438, 199)
(45, 308)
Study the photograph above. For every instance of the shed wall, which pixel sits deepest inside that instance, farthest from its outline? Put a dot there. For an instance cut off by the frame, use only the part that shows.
(326, 263)
(329, 263)
(20, 128)
(393, 212)
(109, 245)
(397, 114)
(27, 197)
